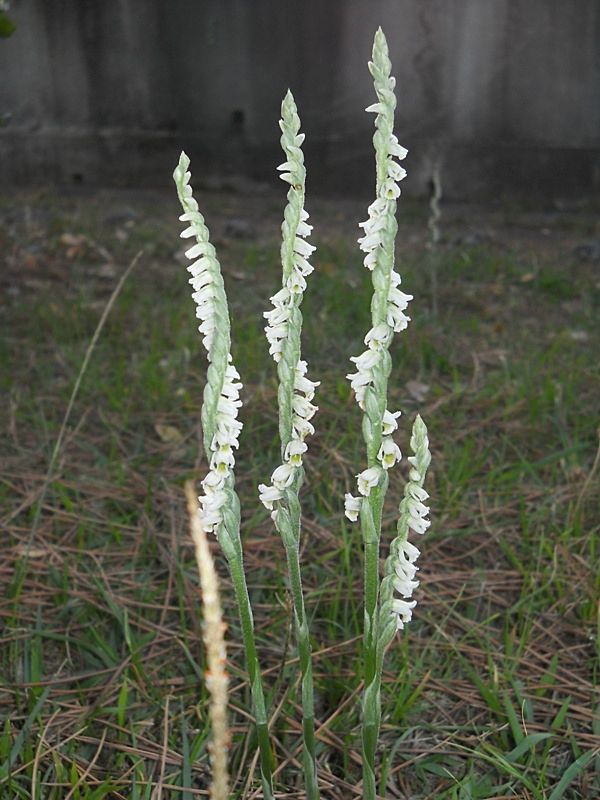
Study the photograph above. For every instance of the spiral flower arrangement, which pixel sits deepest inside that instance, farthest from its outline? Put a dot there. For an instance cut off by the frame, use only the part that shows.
(219, 506)
(399, 582)
(370, 383)
(388, 601)
(295, 393)
(284, 321)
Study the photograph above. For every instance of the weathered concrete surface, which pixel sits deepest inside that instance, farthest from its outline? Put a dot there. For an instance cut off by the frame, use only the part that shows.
(506, 93)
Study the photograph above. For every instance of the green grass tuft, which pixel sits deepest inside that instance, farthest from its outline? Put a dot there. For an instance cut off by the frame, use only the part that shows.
(490, 691)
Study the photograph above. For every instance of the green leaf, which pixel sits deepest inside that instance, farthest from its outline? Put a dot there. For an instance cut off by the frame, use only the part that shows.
(186, 768)
(561, 714)
(122, 703)
(18, 745)
(489, 695)
(5, 741)
(75, 780)
(513, 719)
(105, 789)
(571, 773)
(435, 769)
(526, 744)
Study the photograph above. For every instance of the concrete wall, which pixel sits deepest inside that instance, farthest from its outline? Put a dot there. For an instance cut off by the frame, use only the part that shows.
(505, 92)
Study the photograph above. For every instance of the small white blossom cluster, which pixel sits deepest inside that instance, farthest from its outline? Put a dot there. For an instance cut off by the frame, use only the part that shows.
(379, 337)
(389, 454)
(208, 295)
(404, 583)
(380, 208)
(284, 321)
(295, 284)
(205, 269)
(383, 207)
(413, 517)
(414, 501)
(407, 554)
(302, 412)
(222, 460)
(202, 279)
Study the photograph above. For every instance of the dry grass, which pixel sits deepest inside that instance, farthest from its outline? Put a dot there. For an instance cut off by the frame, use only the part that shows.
(491, 692)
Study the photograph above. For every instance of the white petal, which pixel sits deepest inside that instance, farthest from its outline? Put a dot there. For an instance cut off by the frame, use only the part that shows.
(396, 149)
(410, 551)
(404, 587)
(283, 476)
(367, 479)
(268, 495)
(281, 298)
(389, 424)
(199, 249)
(352, 506)
(378, 336)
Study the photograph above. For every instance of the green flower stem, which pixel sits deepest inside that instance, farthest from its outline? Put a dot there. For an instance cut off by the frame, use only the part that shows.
(230, 541)
(238, 578)
(288, 525)
(288, 512)
(371, 531)
(371, 704)
(217, 343)
(375, 405)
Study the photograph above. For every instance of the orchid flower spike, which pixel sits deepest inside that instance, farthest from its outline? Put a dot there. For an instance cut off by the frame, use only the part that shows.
(284, 320)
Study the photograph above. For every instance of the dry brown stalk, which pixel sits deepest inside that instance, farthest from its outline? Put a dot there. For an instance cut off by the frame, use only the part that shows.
(214, 640)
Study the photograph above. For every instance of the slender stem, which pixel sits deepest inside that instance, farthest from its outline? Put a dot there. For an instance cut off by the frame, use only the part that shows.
(258, 699)
(304, 653)
(292, 549)
(382, 212)
(287, 513)
(220, 507)
(371, 703)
